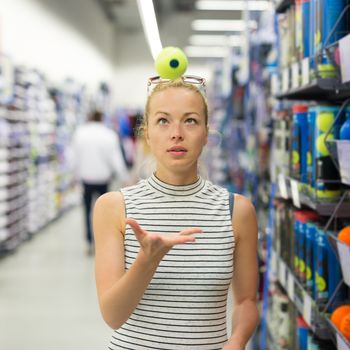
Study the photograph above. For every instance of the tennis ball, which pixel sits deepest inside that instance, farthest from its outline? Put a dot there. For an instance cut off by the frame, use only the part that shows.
(338, 314)
(344, 235)
(324, 120)
(321, 145)
(171, 63)
(345, 326)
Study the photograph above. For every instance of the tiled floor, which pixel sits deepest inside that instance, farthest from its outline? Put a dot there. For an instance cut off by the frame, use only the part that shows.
(47, 292)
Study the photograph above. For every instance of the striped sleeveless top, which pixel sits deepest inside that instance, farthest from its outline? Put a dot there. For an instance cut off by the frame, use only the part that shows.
(184, 306)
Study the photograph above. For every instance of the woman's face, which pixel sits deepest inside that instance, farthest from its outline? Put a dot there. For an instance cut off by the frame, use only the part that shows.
(176, 131)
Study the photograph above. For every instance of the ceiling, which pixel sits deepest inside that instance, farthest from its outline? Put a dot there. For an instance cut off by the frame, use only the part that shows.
(174, 18)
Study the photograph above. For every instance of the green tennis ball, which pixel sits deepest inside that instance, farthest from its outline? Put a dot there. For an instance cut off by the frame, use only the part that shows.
(321, 145)
(171, 63)
(324, 120)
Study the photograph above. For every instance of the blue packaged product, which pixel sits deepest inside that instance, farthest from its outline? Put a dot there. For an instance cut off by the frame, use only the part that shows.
(310, 232)
(303, 331)
(311, 117)
(315, 262)
(327, 13)
(305, 8)
(334, 276)
(331, 11)
(299, 143)
(322, 264)
(322, 167)
(344, 131)
(296, 242)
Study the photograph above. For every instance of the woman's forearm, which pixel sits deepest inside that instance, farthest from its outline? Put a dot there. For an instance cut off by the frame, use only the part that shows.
(244, 323)
(118, 302)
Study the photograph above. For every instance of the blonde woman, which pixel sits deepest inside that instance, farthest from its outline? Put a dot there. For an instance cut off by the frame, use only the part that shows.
(168, 248)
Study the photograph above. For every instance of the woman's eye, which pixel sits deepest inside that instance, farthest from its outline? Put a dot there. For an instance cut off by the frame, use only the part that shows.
(162, 121)
(191, 121)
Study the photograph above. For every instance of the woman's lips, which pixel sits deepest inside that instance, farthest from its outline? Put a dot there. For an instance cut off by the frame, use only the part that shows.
(177, 151)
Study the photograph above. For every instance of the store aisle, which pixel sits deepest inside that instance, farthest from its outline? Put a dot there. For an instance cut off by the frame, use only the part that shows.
(47, 292)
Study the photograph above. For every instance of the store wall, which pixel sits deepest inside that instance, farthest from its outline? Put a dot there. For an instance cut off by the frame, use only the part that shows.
(61, 38)
(73, 38)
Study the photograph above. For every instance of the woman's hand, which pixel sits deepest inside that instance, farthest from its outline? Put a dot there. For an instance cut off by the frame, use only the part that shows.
(154, 245)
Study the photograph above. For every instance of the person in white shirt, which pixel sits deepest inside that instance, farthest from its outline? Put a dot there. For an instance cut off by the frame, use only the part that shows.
(97, 158)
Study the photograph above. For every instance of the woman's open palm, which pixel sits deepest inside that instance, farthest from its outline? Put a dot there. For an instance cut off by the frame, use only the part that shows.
(155, 245)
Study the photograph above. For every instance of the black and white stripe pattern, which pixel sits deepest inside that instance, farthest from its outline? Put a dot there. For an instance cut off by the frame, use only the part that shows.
(184, 306)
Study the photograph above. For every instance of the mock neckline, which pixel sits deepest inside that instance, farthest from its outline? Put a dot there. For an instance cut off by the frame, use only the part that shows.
(164, 188)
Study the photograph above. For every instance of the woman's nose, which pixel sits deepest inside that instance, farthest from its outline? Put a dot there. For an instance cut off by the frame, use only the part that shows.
(176, 132)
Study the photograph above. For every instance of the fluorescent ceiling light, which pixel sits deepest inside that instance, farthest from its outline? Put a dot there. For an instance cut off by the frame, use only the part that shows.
(232, 5)
(150, 27)
(226, 25)
(207, 52)
(224, 40)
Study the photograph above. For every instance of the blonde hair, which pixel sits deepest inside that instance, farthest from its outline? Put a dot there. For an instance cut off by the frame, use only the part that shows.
(177, 83)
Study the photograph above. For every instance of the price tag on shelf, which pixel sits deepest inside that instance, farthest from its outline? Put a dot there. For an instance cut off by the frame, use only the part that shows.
(344, 52)
(307, 307)
(274, 84)
(343, 148)
(305, 71)
(341, 343)
(273, 264)
(282, 185)
(290, 286)
(295, 193)
(344, 255)
(282, 270)
(295, 75)
(285, 80)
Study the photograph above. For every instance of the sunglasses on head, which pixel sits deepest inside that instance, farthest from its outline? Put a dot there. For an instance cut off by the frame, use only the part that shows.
(189, 79)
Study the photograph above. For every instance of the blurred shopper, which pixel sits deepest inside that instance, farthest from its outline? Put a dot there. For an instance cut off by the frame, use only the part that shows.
(97, 159)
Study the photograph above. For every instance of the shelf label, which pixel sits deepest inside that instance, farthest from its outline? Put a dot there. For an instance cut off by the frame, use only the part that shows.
(282, 273)
(290, 286)
(344, 255)
(274, 84)
(285, 79)
(273, 263)
(295, 193)
(295, 75)
(343, 148)
(341, 343)
(344, 50)
(305, 71)
(307, 307)
(282, 186)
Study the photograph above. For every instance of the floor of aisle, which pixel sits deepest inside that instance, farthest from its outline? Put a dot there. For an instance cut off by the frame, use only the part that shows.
(47, 292)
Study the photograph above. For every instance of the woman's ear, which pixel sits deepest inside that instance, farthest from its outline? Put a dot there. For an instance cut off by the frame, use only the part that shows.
(145, 133)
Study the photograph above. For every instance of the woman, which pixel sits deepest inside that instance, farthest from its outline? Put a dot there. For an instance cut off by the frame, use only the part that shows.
(168, 248)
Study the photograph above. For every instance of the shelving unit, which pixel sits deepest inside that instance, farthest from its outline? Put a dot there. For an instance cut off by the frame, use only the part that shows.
(306, 81)
(324, 207)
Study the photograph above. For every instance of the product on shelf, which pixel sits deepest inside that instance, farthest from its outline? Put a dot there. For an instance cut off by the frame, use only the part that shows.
(345, 326)
(299, 143)
(344, 235)
(339, 313)
(344, 133)
(323, 176)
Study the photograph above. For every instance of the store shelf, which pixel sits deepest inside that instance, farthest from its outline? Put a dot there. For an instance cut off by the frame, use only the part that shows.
(324, 207)
(283, 6)
(342, 342)
(319, 89)
(306, 306)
